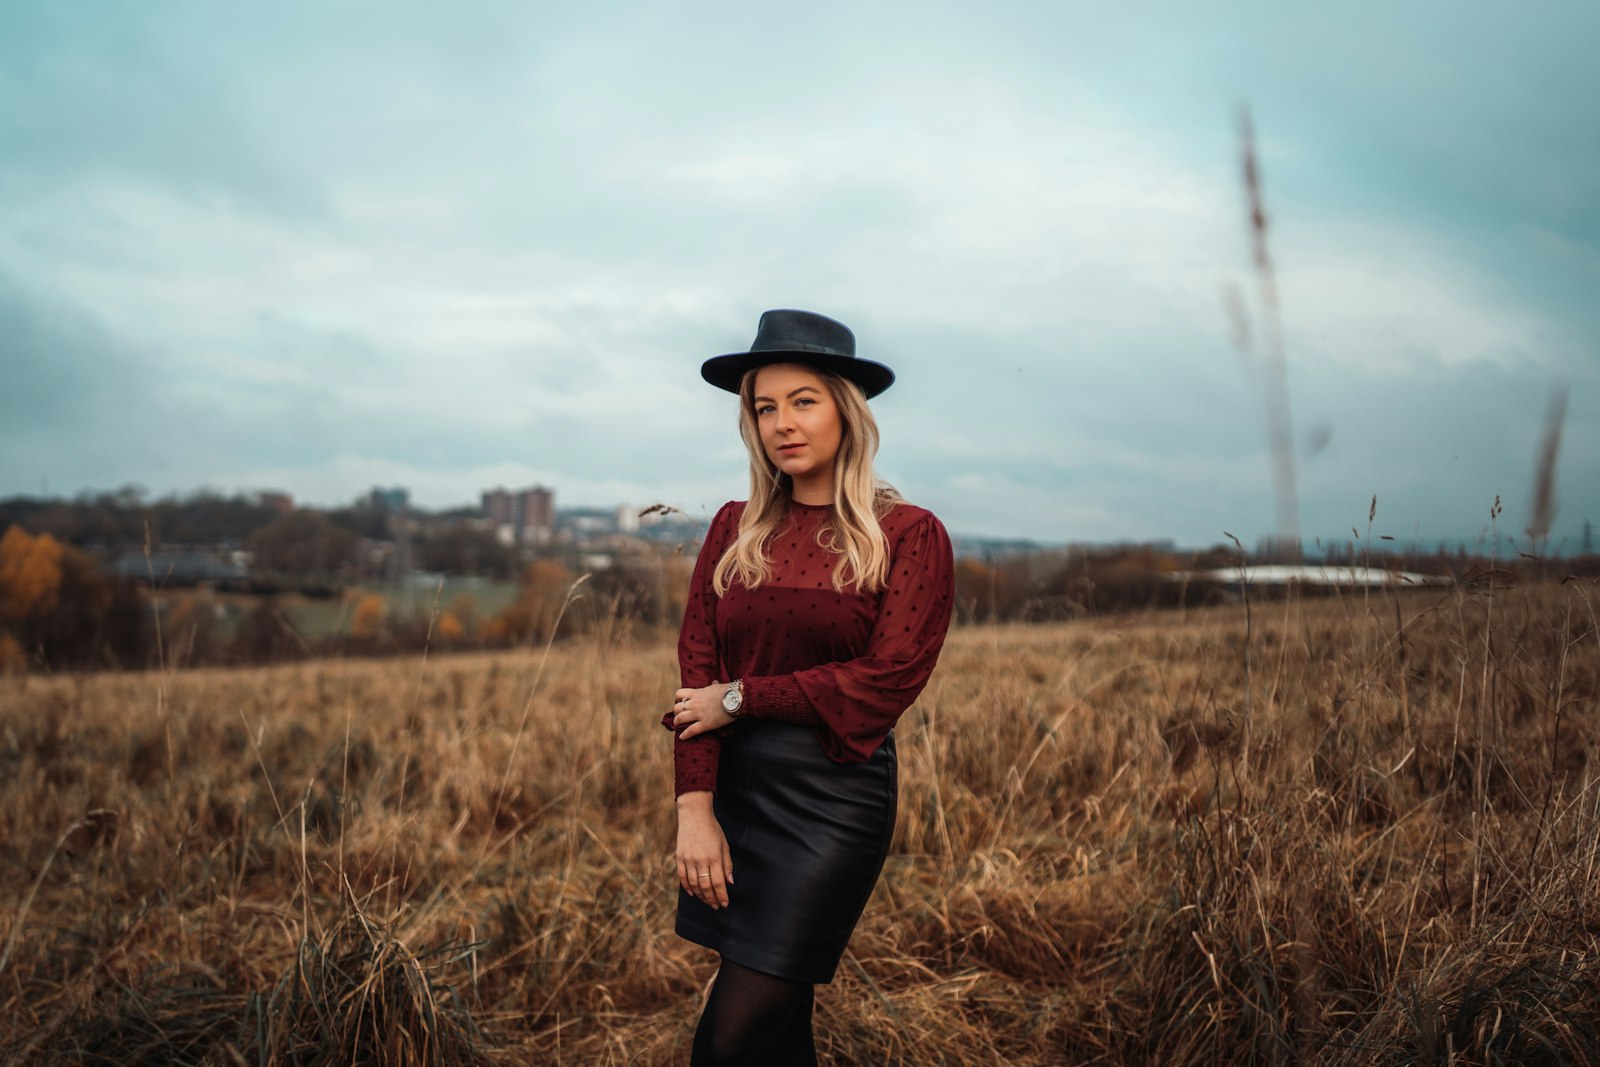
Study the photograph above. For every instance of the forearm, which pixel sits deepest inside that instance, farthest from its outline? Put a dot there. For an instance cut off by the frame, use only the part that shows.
(779, 698)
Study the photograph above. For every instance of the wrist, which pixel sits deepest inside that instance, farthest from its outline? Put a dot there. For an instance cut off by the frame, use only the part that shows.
(696, 801)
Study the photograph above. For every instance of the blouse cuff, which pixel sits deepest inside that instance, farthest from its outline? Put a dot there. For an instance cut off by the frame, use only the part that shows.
(694, 767)
(780, 698)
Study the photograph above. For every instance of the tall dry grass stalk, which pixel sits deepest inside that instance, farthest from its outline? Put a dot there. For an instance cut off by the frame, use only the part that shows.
(467, 859)
(1542, 510)
(1275, 359)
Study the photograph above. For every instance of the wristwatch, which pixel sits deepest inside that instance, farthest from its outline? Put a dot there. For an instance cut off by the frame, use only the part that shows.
(733, 699)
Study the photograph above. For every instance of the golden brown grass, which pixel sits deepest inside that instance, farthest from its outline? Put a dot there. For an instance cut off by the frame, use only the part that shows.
(1385, 848)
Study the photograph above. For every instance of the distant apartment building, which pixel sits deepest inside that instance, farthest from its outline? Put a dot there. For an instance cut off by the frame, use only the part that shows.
(397, 499)
(497, 507)
(526, 516)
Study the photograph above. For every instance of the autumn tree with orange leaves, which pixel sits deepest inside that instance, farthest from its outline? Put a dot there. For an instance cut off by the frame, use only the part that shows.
(57, 611)
(30, 575)
(541, 600)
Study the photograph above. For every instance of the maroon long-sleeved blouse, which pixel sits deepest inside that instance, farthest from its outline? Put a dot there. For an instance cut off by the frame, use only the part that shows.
(846, 664)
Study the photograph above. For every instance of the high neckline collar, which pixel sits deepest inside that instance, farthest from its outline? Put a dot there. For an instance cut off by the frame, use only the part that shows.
(809, 507)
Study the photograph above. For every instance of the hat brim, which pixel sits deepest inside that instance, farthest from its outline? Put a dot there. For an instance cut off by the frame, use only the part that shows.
(725, 372)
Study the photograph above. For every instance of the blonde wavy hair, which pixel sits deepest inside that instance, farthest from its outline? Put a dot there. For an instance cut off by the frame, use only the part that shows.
(859, 499)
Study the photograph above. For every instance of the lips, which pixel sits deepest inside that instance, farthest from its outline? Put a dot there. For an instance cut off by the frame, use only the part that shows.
(789, 448)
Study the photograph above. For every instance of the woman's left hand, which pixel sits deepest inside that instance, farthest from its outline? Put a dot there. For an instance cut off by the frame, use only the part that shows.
(700, 711)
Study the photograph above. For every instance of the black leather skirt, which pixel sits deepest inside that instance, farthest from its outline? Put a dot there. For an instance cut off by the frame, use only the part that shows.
(808, 838)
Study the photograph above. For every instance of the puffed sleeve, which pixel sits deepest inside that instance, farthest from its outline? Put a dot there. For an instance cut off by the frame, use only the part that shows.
(859, 700)
(694, 762)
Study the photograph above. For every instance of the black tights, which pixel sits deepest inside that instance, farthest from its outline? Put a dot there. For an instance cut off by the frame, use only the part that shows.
(757, 1019)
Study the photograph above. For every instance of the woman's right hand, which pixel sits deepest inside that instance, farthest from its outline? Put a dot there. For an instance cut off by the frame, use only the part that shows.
(705, 868)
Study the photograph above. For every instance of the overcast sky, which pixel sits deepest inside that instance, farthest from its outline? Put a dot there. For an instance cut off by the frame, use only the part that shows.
(319, 247)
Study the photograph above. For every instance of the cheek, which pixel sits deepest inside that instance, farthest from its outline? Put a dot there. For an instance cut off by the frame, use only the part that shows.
(836, 431)
(829, 440)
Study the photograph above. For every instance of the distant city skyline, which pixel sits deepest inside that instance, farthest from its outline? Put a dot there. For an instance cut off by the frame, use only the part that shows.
(325, 247)
(1561, 544)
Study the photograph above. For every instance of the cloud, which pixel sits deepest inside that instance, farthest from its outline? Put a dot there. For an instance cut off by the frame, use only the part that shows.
(64, 372)
(166, 123)
(321, 248)
(1390, 305)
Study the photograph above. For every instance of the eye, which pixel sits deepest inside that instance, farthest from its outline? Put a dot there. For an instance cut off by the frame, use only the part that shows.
(762, 409)
(805, 400)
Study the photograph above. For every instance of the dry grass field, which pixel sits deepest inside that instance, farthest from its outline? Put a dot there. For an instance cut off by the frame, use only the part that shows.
(1356, 830)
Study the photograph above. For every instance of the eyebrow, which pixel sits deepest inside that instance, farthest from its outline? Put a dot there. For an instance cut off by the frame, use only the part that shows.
(792, 392)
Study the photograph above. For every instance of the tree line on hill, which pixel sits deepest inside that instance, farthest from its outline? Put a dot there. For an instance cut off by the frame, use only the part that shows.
(304, 545)
(60, 611)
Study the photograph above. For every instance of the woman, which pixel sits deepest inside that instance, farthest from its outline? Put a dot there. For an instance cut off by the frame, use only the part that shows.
(816, 612)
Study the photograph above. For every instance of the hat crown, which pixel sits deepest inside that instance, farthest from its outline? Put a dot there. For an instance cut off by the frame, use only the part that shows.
(785, 335)
(787, 330)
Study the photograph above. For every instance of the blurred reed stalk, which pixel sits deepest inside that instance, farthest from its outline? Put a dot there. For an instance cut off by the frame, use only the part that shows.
(1542, 509)
(1274, 359)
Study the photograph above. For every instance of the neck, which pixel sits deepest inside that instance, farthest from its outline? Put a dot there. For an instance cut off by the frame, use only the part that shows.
(817, 489)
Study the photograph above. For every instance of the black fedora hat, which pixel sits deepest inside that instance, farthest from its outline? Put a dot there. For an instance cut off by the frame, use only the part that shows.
(787, 336)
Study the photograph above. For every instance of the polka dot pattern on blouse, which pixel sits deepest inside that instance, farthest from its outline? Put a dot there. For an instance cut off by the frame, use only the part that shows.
(846, 664)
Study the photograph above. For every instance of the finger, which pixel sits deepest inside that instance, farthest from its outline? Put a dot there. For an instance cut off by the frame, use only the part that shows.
(727, 861)
(690, 731)
(706, 887)
(703, 890)
(719, 884)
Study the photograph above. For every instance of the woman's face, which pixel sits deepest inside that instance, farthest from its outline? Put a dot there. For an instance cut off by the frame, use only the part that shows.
(799, 421)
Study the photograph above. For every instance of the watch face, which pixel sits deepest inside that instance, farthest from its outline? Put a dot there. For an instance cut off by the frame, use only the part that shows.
(732, 699)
